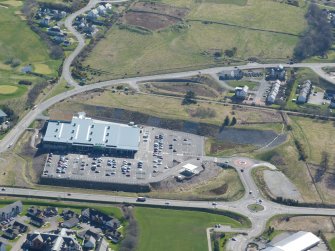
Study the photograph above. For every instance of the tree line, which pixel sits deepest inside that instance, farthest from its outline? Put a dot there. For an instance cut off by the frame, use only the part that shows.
(318, 38)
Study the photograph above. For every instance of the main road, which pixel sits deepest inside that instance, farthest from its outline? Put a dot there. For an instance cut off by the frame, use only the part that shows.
(258, 219)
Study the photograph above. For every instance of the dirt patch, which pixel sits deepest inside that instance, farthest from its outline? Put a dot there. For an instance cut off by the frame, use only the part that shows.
(159, 8)
(150, 21)
(220, 190)
(153, 16)
(305, 223)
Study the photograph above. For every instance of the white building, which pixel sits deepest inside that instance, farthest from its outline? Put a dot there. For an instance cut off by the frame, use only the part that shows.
(241, 92)
(304, 92)
(300, 241)
(93, 14)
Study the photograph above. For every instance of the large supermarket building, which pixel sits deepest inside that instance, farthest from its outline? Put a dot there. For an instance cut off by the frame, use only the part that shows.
(85, 134)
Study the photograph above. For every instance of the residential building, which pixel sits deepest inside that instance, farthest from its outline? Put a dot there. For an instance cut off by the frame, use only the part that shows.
(50, 211)
(16, 229)
(102, 245)
(11, 210)
(62, 240)
(86, 134)
(2, 246)
(241, 92)
(68, 214)
(70, 223)
(304, 92)
(34, 211)
(277, 73)
(37, 221)
(274, 92)
(100, 219)
(93, 14)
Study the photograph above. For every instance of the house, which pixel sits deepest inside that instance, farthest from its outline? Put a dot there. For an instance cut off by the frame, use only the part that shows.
(113, 235)
(102, 245)
(3, 116)
(108, 7)
(10, 233)
(62, 240)
(332, 103)
(68, 214)
(100, 219)
(101, 10)
(44, 22)
(34, 211)
(2, 246)
(55, 31)
(12, 210)
(235, 74)
(93, 14)
(329, 94)
(37, 221)
(241, 92)
(304, 92)
(89, 243)
(276, 73)
(70, 223)
(50, 211)
(16, 229)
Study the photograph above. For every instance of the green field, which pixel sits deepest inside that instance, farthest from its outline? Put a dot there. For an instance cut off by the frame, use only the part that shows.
(18, 42)
(332, 244)
(178, 230)
(123, 52)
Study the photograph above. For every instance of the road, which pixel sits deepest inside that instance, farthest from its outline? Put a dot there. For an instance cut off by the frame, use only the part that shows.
(258, 219)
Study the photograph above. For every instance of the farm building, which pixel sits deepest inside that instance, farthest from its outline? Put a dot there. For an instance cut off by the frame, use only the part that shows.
(300, 241)
(241, 92)
(86, 135)
(304, 92)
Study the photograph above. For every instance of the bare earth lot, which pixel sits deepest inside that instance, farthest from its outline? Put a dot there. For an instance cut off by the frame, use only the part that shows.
(153, 16)
(148, 21)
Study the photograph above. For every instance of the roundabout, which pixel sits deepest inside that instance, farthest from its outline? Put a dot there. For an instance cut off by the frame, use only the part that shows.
(255, 208)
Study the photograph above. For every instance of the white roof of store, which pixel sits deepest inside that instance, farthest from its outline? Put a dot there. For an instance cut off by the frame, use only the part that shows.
(299, 241)
(189, 167)
(90, 132)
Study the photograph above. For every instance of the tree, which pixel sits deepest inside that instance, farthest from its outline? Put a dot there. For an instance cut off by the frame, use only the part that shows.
(216, 245)
(226, 121)
(189, 98)
(233, 121)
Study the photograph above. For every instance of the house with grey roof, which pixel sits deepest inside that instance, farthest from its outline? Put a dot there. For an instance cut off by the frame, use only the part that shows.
(10, 210)
(304, 92)
(273, 93)
(3, 116)
(85, 134)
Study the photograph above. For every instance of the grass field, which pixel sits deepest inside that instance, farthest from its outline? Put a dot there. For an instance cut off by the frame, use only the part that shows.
(332, 244)
(125, 52)
(163, 229)
(317, 136)
(19, 42)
